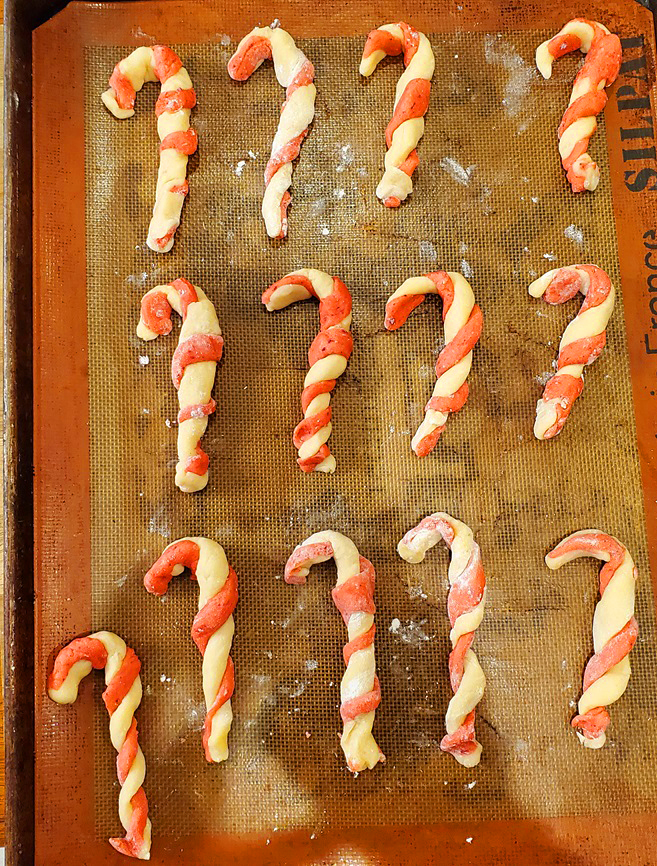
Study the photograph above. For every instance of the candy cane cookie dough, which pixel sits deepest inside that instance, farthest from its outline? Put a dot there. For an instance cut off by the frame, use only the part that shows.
(178, 141)
(200, 347)
(582, 342)
(296, 73)
(465, 606)
(328, 356)
(353, 596)
(212, 630)
(615, 629)
(411, 102)
(122, 696)
(588, 98)
(463, 323)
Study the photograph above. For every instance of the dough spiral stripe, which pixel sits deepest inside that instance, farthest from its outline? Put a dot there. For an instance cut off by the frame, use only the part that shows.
(327, 356)
(200, 347)
(178, 141)
(212, 630)
(463, 323)
(588, 99)
(411, 102)
(582, 341)
(122, 696)
(296, 73)
(465, 606)
(353, 596)
(615, 629)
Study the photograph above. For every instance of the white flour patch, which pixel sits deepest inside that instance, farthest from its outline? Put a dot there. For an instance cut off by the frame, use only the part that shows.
(159, 523)
(501, 53)
(574, 233)
(317, 207)
(138, 33)
(144, 360)
(428, 251)
(295, 690)
(412, 633)
(336, 515)
(522, 750)
(138, 280)
(456, 171)
(239, 168)
(466, 270)
(425, 372)
(345, 157)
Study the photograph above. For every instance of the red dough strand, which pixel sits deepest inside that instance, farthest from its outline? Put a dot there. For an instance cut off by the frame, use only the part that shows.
(296, 73)
(173, 108)
(412, 101)
(582, 341)
(615, 629)
(600, 69)
(200, 343)
(327, 356)
(463, 323)
(353, 596)
(121, 696)
(206, 563)
(465, 607)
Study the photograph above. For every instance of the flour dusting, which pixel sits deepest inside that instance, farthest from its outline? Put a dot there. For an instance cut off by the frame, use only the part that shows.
(159, 523)
(412, 633)
(345, 157)
(456, 171)
(428, 251)
(574, 233)
(520, 73)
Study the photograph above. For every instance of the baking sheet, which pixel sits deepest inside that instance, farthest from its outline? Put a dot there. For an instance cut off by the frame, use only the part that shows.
(490, 201)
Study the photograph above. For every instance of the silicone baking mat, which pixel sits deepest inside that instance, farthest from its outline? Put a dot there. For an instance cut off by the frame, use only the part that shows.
(489, 201)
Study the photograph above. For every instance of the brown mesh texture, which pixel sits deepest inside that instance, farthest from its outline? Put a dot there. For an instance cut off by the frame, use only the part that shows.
(490, 200)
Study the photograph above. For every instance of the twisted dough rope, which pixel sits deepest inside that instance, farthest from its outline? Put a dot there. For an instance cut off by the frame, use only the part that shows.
(178, 141)
(411, 102)
(353, 596)
(588, 99)
(615, 629)
(193, 368)
(463, 322)
(465, 606)
(212, 630)
(582, 341)
(296, 73)
(327, 356)
(122, 696)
